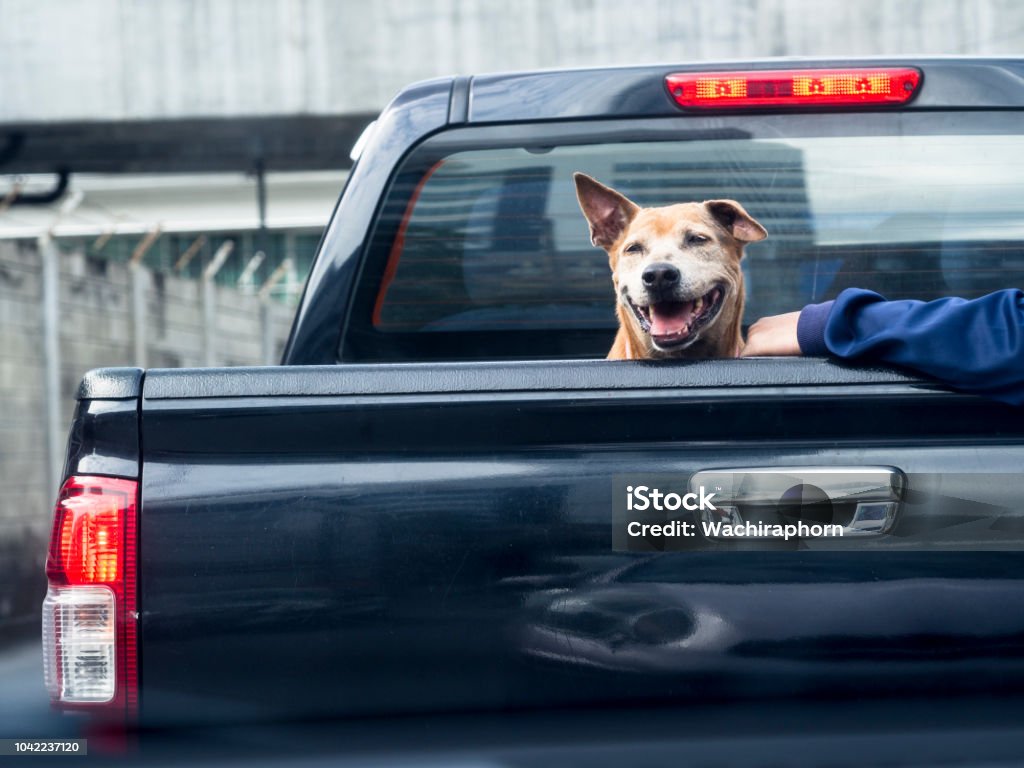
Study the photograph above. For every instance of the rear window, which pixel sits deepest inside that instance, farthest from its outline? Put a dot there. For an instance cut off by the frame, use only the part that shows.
(482, 252)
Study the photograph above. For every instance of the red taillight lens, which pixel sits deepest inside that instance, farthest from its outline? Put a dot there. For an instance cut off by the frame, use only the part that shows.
(794, 88)
(89, 541)
(90, 611)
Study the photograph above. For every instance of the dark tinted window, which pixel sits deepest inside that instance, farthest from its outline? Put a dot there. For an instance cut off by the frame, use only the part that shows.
(491, 241)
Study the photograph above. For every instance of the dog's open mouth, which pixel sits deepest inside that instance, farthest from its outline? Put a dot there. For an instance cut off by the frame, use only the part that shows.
(674, 323)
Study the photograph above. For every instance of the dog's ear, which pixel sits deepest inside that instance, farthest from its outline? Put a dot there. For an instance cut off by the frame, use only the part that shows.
(736, 221)
(608, 212)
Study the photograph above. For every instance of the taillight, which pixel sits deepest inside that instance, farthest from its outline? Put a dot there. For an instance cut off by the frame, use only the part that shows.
(856, 86)
(90, 653)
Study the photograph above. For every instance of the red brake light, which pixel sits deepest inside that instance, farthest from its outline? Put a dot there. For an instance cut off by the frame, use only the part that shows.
(90, 611)
(89, 540)
(794, 88)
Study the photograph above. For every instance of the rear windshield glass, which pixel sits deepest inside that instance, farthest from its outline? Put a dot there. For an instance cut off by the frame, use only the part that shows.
(493, 239)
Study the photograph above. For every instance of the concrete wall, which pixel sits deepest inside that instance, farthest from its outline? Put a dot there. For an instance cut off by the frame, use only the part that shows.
(23, 452)
(112, 59)
(96, 329)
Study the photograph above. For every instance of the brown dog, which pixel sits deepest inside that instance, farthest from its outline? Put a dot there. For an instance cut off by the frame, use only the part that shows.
(676, 272)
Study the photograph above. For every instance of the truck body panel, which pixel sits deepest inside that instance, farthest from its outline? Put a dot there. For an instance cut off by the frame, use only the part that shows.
(355, 542)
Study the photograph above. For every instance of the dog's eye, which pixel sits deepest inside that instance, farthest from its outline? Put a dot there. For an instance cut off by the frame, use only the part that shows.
(634, 248)
(693, 239)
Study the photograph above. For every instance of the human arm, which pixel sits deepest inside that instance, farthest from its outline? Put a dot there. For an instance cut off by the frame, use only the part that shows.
(976, 346)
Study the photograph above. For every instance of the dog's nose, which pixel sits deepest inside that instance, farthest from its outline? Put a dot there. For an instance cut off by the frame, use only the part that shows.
(660, 276)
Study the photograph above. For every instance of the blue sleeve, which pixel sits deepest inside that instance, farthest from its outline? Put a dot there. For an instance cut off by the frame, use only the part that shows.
(976, 346)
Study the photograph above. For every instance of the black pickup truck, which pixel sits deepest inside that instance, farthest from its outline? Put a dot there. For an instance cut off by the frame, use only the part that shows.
(426, 509)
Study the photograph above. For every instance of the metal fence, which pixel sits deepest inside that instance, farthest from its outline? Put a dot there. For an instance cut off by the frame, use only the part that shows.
(63, 312)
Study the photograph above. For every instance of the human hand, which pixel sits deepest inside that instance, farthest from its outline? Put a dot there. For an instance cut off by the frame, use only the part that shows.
(772, 336)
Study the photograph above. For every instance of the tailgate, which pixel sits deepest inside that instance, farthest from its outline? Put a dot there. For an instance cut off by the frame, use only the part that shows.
(412, 538)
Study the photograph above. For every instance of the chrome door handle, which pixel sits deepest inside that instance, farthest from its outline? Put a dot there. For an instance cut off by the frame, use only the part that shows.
(864, 500)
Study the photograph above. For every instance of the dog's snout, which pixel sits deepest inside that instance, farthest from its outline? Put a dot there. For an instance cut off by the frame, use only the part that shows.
(660, 276)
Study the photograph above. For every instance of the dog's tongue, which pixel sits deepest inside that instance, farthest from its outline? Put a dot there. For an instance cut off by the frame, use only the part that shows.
(671, 318)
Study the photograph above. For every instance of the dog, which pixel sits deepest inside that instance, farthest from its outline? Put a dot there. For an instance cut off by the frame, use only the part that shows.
(676, 272)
